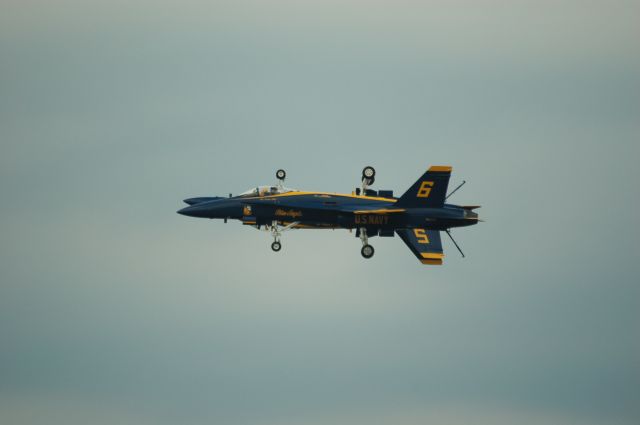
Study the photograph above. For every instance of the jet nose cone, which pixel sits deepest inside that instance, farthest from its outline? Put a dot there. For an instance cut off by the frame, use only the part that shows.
(217, 208)
(183, 211)
(191, 211)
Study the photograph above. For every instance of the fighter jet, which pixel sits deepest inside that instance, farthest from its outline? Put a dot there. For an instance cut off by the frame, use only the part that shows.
(418, 216)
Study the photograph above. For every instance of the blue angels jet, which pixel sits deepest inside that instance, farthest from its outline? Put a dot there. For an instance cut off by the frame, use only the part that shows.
(418, 216)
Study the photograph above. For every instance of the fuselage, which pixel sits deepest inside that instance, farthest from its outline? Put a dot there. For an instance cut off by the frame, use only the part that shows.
(329, 210)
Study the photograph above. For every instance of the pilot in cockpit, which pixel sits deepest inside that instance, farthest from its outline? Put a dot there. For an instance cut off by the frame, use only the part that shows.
(265, 191)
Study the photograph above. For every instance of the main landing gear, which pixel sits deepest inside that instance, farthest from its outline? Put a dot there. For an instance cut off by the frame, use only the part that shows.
(367, 250)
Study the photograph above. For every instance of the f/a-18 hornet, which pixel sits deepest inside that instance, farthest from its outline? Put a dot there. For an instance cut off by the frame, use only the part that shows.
(418, 216)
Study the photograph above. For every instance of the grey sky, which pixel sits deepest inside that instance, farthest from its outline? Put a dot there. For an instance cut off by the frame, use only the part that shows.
(114, 309)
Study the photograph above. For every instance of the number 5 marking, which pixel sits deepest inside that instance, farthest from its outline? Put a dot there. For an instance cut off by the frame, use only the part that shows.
(425, 189)
(421, 236)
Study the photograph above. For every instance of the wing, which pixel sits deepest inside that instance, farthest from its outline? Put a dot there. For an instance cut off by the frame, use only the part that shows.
(425, 244)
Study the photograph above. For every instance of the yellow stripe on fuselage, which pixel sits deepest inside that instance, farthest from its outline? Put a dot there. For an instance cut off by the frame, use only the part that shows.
(325, 194)
(382, 211)
(311, 226)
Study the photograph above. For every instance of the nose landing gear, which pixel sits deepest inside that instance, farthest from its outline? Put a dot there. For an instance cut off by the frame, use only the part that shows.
(276, 232)
(281, 175)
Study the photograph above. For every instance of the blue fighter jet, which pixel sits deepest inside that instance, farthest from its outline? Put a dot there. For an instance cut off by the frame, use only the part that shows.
(418, 216)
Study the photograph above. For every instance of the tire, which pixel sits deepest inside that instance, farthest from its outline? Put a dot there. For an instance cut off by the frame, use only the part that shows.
(276, 246)
(367, 251)
(281, 174)
(368, 172)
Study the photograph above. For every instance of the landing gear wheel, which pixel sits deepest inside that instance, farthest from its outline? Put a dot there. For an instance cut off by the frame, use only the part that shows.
(368, 172)
(276, 246)
(281, 174)
(367, 251)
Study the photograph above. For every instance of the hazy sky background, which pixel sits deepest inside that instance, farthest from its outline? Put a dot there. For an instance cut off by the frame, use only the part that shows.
(116, 310)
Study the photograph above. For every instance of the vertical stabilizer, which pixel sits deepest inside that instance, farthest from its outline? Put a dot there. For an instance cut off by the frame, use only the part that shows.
(429, 191)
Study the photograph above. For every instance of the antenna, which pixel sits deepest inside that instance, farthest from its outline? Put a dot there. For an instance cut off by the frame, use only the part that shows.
(453, 240)
(455, 190)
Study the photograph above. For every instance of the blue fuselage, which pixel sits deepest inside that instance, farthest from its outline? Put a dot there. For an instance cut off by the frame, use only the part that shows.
(329, 210)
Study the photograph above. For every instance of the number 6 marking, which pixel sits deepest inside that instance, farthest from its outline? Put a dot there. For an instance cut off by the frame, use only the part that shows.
(425, 189)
